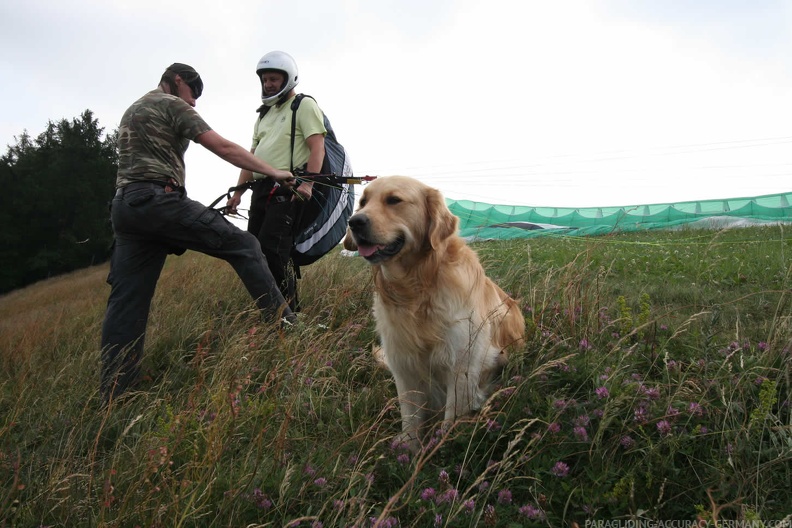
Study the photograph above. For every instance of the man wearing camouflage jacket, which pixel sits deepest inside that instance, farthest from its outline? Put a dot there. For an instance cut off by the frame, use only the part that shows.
(152, 217)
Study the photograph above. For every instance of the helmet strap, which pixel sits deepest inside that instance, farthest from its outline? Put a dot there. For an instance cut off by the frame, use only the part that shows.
(283, 98)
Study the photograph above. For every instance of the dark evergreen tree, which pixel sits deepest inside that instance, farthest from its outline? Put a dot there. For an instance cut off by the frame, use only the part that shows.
(57, 190)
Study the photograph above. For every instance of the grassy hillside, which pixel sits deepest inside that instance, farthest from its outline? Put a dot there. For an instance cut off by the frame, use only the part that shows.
(655, 384)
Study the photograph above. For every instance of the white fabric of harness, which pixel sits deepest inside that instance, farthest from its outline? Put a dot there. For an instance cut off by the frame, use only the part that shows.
(305, 245)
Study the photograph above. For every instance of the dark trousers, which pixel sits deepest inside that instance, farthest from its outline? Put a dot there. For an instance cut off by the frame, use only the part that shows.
(272, 218)
(148, 224)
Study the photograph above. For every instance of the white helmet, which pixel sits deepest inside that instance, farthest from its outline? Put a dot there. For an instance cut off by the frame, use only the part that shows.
(283, 62)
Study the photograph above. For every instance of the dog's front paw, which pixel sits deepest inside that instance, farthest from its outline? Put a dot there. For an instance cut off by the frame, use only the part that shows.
(406, 440)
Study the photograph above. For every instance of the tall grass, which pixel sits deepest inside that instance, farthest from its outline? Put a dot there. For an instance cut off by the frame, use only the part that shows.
(655, 384)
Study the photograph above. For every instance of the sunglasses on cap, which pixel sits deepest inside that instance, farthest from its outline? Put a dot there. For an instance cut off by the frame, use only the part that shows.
(193, 80)
(190, 77)
(196, 86)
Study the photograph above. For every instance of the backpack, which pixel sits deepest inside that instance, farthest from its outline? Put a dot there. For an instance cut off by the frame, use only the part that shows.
(322, 221)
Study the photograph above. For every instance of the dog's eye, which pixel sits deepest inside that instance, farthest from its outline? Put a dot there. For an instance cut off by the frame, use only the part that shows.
(393, 200)
(362, 202)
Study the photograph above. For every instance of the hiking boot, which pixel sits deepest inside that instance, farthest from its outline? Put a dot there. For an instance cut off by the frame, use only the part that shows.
(300, 325)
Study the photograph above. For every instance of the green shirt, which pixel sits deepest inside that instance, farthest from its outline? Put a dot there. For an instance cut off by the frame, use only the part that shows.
(153, 136)
(272, 134)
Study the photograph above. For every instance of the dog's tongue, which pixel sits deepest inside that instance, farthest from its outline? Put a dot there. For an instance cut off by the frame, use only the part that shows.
(367, 251)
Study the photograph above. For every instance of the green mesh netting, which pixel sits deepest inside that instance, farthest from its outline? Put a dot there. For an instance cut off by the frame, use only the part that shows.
(487, 221)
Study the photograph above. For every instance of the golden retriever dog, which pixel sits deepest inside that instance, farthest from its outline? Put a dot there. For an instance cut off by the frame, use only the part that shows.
(444, 326)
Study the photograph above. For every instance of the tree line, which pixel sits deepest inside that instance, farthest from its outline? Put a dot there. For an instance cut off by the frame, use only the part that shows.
(56, 191)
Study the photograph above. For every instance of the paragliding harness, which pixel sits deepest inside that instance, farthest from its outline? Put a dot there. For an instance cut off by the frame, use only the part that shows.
(321, 222)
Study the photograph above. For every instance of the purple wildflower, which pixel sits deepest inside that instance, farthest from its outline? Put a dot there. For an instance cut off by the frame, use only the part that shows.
(560, 469)
(531, 512)
(640, 415)
(581, 433)
(403, 459)
(627, 442)
(653, 393)
(695, 409)
(449, 495)
(602, 393)
(762, 346)
(504, 497)
(428, 494)
(469, 505)
(261, 500)
(321, 482)
(389, 522)
(664, 427)
(399, 445)
(554, 427)
(431, 444)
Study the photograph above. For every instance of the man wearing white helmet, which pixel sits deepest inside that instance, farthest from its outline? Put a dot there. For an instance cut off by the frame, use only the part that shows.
(274, 208)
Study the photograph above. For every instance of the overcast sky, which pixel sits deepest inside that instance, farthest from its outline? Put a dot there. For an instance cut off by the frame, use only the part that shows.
(551, 103)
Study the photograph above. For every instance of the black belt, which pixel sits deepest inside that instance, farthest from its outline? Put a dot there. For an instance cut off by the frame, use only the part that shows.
(169, 186)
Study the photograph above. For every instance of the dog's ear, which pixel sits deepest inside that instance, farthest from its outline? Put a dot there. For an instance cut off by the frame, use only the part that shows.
(442, 223)
(349, 242)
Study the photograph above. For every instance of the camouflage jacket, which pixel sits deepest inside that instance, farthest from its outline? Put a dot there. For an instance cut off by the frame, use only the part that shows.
(153, 136)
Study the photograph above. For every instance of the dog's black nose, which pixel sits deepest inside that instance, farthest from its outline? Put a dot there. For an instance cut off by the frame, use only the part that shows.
(358, 221)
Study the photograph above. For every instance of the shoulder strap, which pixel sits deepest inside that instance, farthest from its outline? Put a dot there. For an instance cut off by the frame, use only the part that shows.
(294, 106)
